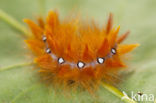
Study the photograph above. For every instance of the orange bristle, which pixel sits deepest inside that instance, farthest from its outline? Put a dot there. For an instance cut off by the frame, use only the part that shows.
(77, 53)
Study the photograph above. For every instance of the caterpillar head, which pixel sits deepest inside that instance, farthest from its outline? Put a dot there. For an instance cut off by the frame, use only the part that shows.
(75, 52)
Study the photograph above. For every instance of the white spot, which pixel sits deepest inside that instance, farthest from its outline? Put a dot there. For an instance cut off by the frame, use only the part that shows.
(60, 60)
(113, 51)
(44, 38)
(100, 60)
(48, 51)
(80, 64)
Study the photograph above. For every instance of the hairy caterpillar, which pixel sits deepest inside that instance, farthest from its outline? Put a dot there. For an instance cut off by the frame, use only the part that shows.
(72, 52)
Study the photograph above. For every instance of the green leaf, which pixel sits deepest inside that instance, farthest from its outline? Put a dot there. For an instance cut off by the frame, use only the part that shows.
(20, 84)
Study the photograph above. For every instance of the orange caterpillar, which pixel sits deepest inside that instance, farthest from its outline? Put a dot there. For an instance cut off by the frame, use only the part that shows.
(80, 54)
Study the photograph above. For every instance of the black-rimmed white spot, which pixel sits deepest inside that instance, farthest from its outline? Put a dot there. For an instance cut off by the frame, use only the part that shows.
(44, 38)
(113, 50)
(48, 51)
(100, 60)
(61, 60)
(80, 64)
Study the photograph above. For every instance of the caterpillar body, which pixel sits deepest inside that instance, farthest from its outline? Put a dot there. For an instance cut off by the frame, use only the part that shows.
(71, 52)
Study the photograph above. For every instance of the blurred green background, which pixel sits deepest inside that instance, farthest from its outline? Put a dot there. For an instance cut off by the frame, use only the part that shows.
(20, 85)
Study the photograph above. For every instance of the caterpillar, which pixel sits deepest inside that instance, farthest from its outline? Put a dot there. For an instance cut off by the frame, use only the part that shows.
(77, 53)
